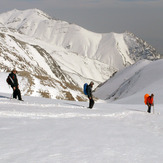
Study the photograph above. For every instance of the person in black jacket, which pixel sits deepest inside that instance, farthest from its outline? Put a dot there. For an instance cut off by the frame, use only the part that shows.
(89, 89)
(14, 84)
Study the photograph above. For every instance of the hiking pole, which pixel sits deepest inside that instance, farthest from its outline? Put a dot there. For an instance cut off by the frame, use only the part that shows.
(11, 96)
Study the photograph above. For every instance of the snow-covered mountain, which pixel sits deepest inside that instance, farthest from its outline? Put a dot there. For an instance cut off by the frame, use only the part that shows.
(120, 131)
(133, 82)
(54, 58)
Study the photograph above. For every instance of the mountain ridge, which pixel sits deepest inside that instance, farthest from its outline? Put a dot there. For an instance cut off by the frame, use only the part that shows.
(132, 83)
(50, 47)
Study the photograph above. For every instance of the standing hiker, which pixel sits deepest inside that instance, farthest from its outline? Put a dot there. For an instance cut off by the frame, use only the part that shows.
(13, 81)
(89, 90)
(150, 102)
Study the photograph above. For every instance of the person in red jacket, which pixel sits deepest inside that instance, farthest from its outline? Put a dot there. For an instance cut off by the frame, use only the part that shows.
(150, 102)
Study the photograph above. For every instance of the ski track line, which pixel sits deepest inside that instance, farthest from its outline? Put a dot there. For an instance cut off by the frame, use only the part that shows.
(41, 105)
(34, 115)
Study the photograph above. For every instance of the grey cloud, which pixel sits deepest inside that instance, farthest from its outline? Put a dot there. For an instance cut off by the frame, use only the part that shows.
(139, 0)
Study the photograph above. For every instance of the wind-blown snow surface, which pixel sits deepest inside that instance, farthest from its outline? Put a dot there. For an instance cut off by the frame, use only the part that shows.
(45, 130)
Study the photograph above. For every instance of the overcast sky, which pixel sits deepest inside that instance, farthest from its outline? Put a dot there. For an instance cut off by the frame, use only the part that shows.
(144, 18)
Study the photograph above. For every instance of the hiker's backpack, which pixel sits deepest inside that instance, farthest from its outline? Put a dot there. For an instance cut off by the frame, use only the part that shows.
(145, 98)
(85, 89)
(9, 80)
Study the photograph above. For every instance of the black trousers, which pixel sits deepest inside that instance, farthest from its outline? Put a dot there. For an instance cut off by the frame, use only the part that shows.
(149, 108)
(91, 103)
(16, 93)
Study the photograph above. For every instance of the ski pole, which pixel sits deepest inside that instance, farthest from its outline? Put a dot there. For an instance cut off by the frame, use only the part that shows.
(153, 109)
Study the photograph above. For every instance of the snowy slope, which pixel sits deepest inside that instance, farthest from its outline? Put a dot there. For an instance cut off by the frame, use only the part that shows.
(134, 82)
(39, 25)
(36, 24)
(68, 55)
(37, 65)
(45, 130)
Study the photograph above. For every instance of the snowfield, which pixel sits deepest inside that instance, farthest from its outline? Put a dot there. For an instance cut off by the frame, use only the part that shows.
(41, 130)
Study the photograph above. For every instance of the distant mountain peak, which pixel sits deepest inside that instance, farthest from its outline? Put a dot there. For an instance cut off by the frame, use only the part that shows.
(59, 56)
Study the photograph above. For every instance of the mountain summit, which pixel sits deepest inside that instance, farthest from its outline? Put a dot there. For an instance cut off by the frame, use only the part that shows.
(54, 58)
